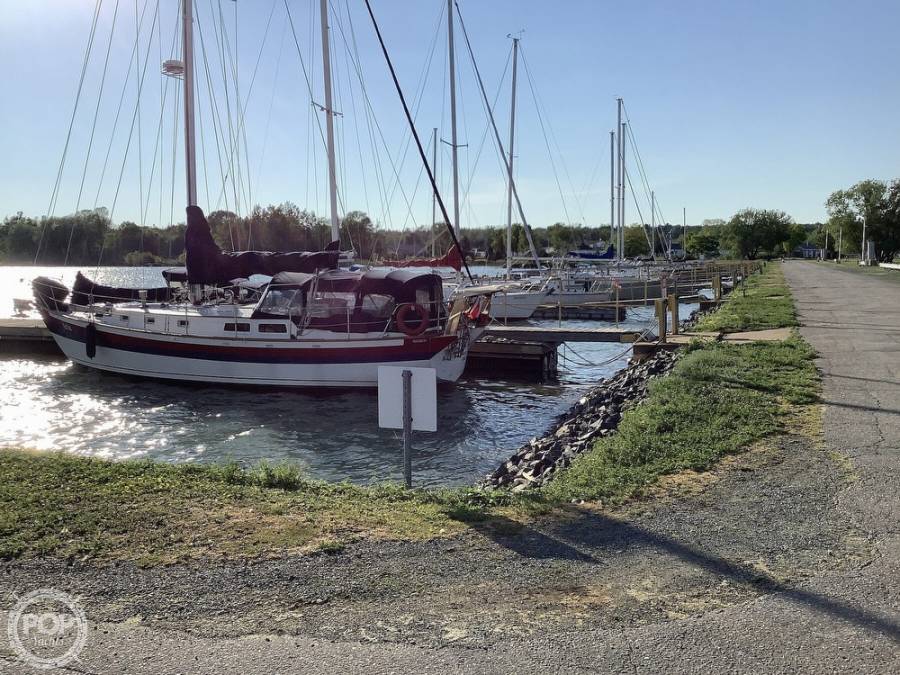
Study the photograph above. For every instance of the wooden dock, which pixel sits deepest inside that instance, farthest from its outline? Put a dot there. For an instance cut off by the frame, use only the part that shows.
(592, 312)
(556, 335)
(26, 336)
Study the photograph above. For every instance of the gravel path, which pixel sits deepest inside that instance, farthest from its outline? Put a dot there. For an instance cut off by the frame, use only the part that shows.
(777, 562)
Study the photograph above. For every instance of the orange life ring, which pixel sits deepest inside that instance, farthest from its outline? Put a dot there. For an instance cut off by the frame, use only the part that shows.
(404, 312)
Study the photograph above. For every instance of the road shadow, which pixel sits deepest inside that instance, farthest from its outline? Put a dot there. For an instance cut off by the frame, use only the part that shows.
(894, 383)
(594, 538)
(867, 408)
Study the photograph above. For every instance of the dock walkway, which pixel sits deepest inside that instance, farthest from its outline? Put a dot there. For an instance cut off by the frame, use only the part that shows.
(556, 335)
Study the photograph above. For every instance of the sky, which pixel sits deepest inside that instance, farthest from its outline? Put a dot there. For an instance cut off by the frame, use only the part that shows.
(732, 104)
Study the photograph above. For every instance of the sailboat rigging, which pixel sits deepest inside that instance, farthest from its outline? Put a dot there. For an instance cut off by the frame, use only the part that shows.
(312, 325)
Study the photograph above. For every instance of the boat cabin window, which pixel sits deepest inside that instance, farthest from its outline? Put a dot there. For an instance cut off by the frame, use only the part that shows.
(331, 303)
(377, 306)
(272, 328)
(282, 302)
(237, 327)
(423, 297)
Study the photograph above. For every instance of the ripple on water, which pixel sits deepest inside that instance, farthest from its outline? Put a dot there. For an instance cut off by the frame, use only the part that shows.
(53, 405)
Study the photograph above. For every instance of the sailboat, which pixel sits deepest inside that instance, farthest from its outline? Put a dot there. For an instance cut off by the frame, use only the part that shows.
(312, 325)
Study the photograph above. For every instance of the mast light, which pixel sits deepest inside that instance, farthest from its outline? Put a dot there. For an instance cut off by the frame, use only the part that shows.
(173, 68)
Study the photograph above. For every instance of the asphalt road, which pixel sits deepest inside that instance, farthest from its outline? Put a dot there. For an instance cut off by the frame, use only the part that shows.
(839, 618)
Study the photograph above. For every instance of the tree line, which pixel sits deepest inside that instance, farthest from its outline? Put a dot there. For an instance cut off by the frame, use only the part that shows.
(88, 237)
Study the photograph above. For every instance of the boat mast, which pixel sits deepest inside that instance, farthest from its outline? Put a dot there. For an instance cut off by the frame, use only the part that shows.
(653, 224)
(329, 119)
(453, 145)
(613, 239)
(512, 138)
(190, 156)
(622, 178)
(620, 186)
(434, 158)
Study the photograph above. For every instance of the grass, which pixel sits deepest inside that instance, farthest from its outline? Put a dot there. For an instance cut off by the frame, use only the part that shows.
(873, 271)
(718, 400)
(765, 303)
(68, 506)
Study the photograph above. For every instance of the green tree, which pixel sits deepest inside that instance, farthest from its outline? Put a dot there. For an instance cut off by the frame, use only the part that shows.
(876, 204)
(796, 235)
(358, 233)
(636, 241)
(704, 241)
(754, 232)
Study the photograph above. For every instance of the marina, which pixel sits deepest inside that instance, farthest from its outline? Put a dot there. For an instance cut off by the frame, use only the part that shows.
(449, 336)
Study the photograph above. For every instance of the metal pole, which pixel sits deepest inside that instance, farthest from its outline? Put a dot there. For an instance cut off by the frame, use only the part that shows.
(490, 114)
(329, 119)
(407, 427)
(864, 256)
(620, 191)
(453, 146)
(624, 185)
(190, 155)
(512, 138)
(683, 233)
(840, 242)
(434, 155)
(613, 238)
(653, 223)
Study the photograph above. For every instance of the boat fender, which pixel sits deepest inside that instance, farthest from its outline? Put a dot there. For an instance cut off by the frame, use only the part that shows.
(404, 312)
(90, 340)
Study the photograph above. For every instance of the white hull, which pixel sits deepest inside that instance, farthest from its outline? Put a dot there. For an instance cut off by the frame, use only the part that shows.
(449, 361)
(517, 305)
(575, 299)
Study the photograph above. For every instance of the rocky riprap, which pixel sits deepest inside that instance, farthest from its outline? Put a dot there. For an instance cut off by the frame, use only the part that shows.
(594, 416)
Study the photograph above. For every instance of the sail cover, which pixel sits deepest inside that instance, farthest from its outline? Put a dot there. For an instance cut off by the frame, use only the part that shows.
(85, 291)
(208, 264)
(608, 254)
(451, 259)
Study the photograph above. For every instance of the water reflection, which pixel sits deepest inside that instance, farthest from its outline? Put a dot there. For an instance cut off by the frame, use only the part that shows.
(51, 404)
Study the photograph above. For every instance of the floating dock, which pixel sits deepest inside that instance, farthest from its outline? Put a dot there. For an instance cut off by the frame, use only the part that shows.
(587, 311)
(556, 335)
(26, 336)
(529, 360)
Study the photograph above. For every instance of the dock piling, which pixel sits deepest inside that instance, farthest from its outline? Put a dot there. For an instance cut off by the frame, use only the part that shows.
(661, 316)
(673, 310)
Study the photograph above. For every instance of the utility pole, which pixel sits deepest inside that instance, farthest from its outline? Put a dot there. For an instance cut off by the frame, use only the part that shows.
(865, 250)
(825, 252)
(840, 242)
(512, 138)
(453, 143)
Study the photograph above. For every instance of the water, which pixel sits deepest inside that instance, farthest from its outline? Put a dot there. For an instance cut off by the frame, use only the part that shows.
(51, 404)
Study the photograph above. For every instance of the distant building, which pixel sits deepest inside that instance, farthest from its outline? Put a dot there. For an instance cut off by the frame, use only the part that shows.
(807, 250)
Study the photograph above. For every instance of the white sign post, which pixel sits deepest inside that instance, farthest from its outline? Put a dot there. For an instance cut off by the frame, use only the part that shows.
(407, 399)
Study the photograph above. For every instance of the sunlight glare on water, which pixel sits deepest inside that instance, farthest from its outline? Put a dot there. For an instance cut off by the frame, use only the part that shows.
(50, 404)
